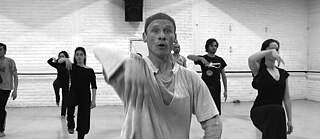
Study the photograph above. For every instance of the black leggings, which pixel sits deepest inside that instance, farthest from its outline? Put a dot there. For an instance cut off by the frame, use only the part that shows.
(270, 120)
(65, 88)
(83, 116)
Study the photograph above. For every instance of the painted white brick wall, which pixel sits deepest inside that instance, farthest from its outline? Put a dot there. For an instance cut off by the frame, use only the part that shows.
(36, 30)
(313, 88)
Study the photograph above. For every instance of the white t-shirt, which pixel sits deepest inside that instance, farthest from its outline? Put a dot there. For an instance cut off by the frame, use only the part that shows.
(146, 114)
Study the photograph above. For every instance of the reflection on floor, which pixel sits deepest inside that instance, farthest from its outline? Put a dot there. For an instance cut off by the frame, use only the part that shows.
(106, 122)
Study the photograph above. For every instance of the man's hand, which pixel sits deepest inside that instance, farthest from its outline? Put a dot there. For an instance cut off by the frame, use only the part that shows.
(14, 94)
(204, 61)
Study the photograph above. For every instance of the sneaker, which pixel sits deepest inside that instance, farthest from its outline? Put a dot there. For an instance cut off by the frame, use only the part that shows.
(71, 131)
(2, 134)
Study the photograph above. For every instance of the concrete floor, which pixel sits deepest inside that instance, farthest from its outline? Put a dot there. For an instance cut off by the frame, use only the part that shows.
(106, 122)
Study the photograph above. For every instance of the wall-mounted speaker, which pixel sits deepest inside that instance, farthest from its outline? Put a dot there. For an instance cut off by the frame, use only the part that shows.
(133, 10)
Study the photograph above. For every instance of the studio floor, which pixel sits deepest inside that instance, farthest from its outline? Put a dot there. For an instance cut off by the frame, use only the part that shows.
(106, 122)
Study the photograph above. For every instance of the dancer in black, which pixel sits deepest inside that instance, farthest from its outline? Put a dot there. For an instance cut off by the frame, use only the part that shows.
(62, 80)
(212, 66)
(81, 78)
(267, 113)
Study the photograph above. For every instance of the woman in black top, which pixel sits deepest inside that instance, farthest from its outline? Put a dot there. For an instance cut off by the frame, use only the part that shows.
(62, 80)
(81, 78)
(267, 113)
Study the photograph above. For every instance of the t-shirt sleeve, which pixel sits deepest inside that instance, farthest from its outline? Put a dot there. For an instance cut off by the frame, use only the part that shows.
(113, 61)
(223, 63)
(111, 58)
(13, 67)
(203, 105)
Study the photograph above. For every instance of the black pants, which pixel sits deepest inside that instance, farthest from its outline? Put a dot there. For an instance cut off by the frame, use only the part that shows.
(4, 95)
(83, 116)
(215, 92)
(65, 88)
(270, 120)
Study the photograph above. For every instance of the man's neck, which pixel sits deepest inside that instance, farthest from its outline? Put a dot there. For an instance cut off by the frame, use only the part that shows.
(176, 54)
(2, 57)
(164, 64)
(211, 54)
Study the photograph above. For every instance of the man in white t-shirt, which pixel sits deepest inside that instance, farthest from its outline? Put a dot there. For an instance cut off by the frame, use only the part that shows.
(8, 82)
(159, 96)
(181, 60)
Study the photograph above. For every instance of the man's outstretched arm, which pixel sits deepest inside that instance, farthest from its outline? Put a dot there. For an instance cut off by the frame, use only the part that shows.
(196, 58)
(193, 57)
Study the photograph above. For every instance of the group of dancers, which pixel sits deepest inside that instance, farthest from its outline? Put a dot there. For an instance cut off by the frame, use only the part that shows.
(158, 94)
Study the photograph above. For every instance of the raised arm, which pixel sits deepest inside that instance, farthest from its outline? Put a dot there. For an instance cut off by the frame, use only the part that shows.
(212, 128)
(67, 61)
(254, 60)
(52, 62)
(196, 58)
(113, 61)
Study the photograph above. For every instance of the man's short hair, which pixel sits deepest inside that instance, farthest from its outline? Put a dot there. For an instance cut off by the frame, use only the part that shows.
(210, 41)
(4, 46)
(159, 16)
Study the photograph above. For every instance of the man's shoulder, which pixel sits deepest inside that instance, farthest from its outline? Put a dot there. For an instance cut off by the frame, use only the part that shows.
(8, 59)
(218, 57)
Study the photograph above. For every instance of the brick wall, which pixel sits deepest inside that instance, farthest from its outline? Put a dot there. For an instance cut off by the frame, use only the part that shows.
(313, 51)
(36, 30)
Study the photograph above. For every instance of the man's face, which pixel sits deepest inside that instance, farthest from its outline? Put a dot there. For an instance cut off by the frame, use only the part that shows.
(176, 48)
(212, 48)
(2, 51)
(160, 36)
